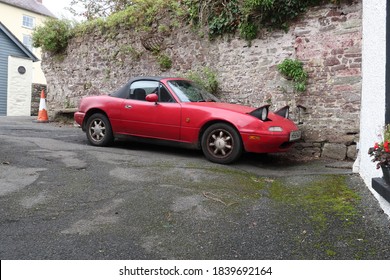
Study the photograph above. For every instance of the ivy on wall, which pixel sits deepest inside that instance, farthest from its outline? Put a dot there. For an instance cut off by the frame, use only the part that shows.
(246, 16)
(215, 17)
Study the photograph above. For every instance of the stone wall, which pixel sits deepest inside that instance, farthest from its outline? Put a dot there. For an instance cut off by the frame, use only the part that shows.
(327, 39)
(36, 90)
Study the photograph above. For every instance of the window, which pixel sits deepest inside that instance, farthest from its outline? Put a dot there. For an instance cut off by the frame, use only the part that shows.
(27, 41)
(189, 92)
(164, 95)
(28, 22)
(139, 89)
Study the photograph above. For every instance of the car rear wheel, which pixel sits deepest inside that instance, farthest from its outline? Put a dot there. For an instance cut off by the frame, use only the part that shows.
(99, 131)
(221, 143)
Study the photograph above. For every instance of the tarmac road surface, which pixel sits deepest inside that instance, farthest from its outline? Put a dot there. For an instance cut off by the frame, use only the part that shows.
(61, 198)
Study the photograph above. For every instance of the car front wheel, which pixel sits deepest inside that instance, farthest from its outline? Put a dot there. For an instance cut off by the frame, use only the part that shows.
(99, 131)
(221, 143)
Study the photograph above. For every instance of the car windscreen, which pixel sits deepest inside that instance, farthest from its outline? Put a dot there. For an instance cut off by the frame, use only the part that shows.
(187, 91)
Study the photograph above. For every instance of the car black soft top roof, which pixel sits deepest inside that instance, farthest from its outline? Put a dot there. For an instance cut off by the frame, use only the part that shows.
(124, 90)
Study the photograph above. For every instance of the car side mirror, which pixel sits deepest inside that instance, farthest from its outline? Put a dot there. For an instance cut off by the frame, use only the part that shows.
(152, 97)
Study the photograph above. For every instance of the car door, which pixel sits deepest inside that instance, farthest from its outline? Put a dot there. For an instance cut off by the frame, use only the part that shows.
(151, 119)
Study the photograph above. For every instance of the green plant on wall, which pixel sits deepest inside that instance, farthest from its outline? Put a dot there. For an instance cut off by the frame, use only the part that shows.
(293, 70)
(53, 35)
(248, 30)
(224, 18)
(248, 16)
(67, 103)
(215, 18)
(206, 78)
(219, 17)
(164, 61)
(129, 50)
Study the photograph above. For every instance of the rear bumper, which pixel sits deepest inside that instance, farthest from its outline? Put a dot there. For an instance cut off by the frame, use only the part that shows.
(79, 118)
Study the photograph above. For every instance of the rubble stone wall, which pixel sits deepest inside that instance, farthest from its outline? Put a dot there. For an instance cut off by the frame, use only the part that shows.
(327, 40)
(36, 90)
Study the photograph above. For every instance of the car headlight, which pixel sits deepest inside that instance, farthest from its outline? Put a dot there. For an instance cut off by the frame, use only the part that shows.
(283, 112)
(275, 129)
(261, 113)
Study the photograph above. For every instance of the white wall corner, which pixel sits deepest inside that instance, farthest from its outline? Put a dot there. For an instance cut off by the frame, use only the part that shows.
(372, 116)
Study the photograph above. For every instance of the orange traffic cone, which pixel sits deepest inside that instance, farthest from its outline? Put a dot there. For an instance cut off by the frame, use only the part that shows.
(42, 114)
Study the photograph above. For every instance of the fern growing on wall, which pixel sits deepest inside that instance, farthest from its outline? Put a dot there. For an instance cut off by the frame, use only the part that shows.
(293, 70)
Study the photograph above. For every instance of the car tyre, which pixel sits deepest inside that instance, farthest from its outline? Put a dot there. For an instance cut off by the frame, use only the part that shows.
(99, 131)
(221, 143)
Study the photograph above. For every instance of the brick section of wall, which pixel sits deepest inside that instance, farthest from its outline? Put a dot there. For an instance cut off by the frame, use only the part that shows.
(328, 41)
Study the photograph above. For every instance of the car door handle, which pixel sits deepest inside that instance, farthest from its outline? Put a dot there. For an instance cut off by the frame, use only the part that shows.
(128, 106)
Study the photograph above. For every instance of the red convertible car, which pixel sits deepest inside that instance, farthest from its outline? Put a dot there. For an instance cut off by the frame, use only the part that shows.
(175, 110)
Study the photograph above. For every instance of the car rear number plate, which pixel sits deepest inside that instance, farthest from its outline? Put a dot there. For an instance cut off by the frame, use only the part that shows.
(295, 135)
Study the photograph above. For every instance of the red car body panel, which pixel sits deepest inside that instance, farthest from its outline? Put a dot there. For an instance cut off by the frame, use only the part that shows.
(184, 121)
